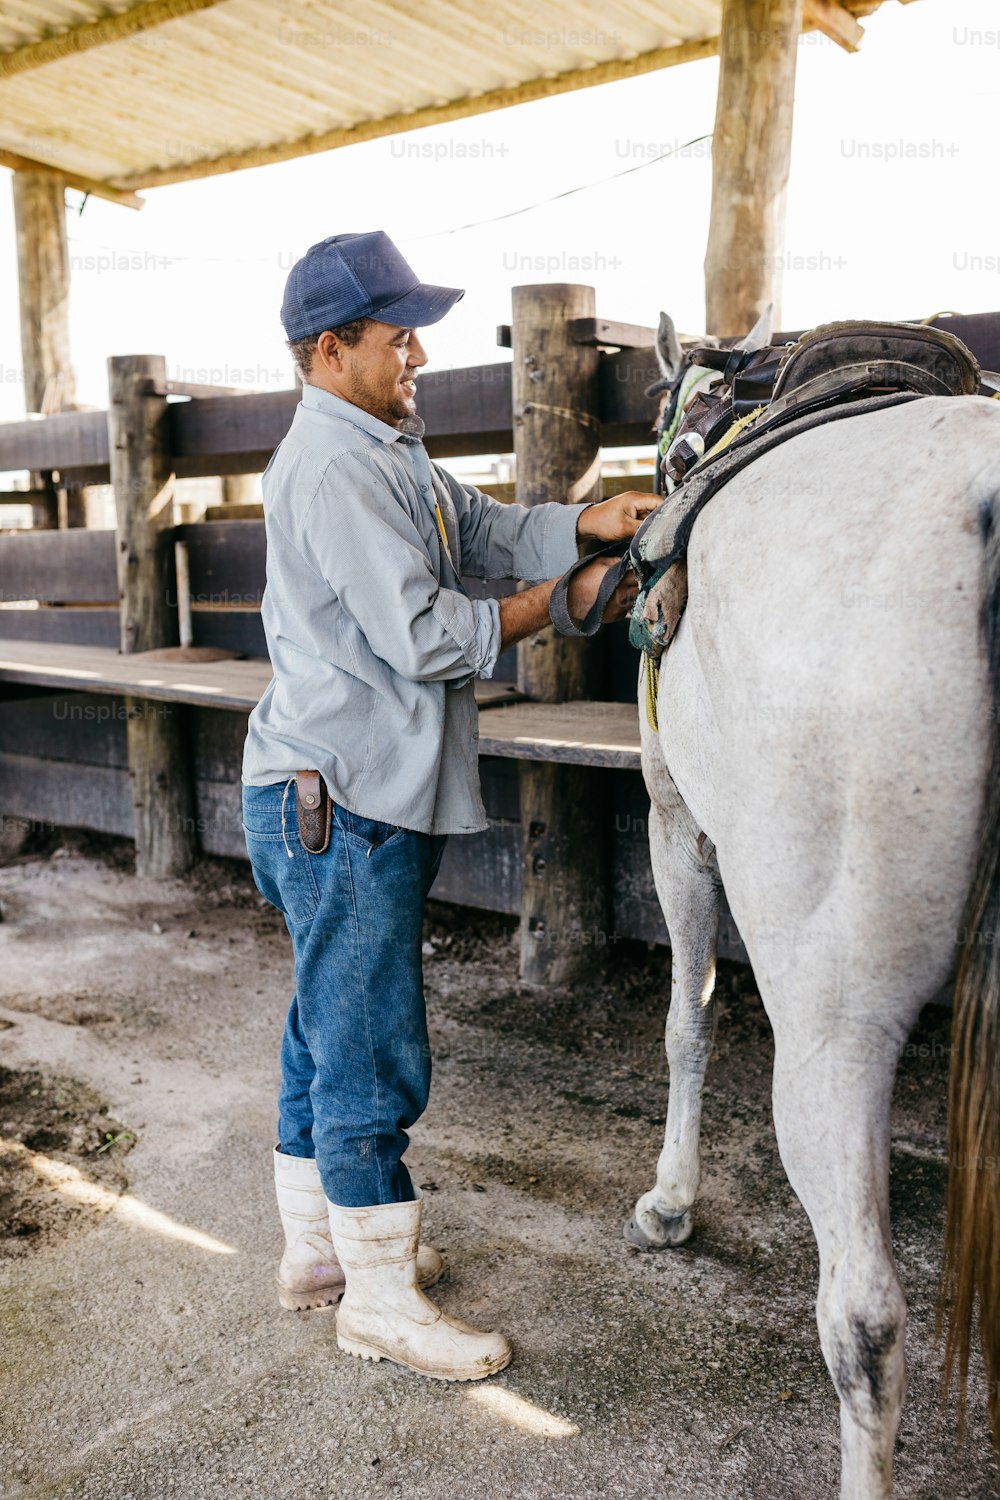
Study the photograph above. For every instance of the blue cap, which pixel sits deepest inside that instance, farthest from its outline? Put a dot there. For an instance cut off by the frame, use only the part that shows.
(358, 276)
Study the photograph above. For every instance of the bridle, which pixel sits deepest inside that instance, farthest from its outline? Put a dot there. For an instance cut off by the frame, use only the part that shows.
(690, 381)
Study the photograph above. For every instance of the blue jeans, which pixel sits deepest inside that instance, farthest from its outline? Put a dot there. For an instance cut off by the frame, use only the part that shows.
(355, 1059)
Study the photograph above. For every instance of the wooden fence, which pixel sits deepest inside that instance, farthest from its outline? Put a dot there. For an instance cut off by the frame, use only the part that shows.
(80, 736)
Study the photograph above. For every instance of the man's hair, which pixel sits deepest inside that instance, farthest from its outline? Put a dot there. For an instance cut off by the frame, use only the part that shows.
(303, 350)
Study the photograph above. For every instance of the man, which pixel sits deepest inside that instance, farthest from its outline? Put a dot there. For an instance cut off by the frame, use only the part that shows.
(361, 758)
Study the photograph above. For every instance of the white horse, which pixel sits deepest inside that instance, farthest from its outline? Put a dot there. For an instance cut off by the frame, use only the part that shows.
(828, 720)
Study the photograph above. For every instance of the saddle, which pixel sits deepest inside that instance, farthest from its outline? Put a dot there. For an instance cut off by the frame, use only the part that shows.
(764, 397)
(833, 363)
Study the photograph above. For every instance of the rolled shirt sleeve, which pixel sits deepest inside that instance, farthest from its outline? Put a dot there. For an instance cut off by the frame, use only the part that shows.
(369, 552)
(512, 541)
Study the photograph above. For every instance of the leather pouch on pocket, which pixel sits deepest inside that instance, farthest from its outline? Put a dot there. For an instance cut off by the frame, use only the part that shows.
(315, 810)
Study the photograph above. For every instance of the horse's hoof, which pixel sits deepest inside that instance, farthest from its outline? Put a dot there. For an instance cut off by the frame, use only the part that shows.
(649, 1230)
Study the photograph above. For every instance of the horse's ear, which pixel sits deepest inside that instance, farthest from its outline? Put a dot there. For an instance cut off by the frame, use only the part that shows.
(669, 355)
(760, 334)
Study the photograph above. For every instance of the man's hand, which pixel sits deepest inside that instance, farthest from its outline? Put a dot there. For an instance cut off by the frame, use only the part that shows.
(527, 611)
(584, 588)
(619, 518)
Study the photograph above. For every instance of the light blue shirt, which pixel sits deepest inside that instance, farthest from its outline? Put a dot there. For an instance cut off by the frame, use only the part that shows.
(373, 641)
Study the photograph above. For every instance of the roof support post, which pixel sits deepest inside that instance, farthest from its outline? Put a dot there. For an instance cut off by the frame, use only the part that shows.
(562, 808)
(43, 286)
(751, 149)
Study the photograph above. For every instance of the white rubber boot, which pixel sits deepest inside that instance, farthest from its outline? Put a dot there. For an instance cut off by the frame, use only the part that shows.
(310, 1274)
(385, 1315)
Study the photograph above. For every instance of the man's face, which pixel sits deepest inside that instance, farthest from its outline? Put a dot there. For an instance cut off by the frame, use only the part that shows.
(379, 373)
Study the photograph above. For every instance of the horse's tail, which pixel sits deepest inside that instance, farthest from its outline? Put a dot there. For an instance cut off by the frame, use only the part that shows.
(972, 1223)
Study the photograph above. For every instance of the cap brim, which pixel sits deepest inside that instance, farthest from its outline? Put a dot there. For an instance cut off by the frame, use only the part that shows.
(419, 308)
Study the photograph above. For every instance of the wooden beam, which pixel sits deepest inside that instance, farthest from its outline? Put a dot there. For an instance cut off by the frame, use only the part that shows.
(231, 510)
(602, 333)
(142, 475)
(453, 404)
(557, 446)
(833, 21)
(189, 388)
(113, 28)
(72, 440)
(64, 794)
(463, 410)
(226, 563)
(72, 567)
(20, 497)
(751, 147)
(63, 625)
(74, 180)
(466, 411)
(435, 114)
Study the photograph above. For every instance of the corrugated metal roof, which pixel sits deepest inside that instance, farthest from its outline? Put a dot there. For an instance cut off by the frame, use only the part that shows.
(202, 86)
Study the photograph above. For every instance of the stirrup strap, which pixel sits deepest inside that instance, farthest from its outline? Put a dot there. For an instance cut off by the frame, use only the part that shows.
(559, 601)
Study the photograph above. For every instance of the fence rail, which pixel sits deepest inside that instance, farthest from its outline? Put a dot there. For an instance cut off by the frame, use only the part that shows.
(466, 411)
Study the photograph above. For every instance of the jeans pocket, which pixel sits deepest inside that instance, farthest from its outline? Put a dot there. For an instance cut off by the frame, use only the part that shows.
(283, 874)
(367, 831)
(263, 808)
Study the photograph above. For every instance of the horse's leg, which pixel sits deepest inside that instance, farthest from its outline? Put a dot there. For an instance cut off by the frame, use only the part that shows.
(833, 1076)
(687, 884)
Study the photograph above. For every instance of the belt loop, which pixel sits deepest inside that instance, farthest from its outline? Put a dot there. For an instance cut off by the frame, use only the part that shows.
(284, 835)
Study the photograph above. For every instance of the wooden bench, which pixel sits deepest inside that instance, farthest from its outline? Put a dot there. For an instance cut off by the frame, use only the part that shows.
(585, 733)
(64, 761)
(172, 675)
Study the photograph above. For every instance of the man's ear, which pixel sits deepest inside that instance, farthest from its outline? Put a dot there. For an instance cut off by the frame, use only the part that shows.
(329, 351)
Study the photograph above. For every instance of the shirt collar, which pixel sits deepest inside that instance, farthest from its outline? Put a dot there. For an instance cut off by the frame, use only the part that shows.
(316, 399)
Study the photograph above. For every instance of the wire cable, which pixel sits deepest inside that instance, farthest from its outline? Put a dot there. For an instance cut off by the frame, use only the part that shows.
(582, 187)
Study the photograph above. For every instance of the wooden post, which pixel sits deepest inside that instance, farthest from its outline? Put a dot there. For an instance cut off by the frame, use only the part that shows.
(143, 481)
(43, 285)
(751, 149)
(556, 443)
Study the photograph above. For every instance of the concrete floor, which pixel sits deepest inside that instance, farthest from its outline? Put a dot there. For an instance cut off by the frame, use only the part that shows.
(139, 1359)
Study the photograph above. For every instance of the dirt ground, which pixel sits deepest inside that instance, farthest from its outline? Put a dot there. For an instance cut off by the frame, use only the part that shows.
(142, 1350)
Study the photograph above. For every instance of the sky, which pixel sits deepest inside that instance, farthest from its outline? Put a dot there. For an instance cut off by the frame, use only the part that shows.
(892, 211)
